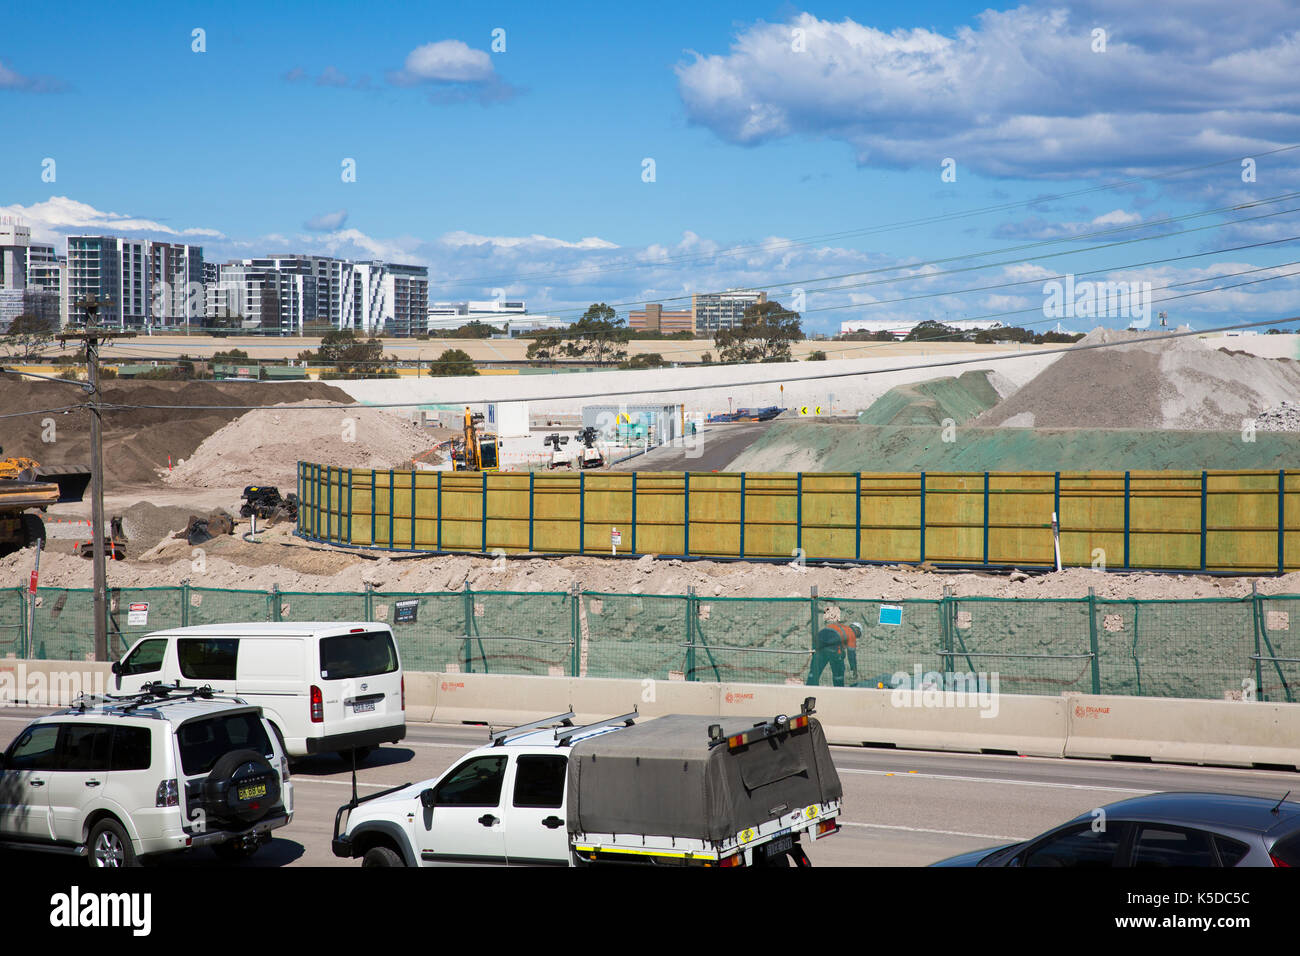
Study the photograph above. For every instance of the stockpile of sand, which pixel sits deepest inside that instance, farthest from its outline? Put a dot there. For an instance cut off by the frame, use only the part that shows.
(264, 446)
(1178, 383)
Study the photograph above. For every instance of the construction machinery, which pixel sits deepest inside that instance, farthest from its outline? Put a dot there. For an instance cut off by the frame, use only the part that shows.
(559, 458)
(264, 501)
(476, 451)
(26, 486)
(592, 456)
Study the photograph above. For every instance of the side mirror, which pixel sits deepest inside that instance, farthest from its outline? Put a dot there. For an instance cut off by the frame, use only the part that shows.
(116, 668)
(427, 799)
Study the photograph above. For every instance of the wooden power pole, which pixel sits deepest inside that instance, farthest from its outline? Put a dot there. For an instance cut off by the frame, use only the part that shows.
(92, 336)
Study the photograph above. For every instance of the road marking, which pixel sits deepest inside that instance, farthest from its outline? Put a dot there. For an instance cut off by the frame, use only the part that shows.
(960, 833)
(913, 775)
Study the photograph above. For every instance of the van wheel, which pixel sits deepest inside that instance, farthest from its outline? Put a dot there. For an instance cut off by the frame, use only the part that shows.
(382, 856)
(110, 845)
(361, 754)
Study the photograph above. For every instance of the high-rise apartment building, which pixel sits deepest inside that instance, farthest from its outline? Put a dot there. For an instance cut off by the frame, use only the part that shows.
(715, 311)
(177, 279)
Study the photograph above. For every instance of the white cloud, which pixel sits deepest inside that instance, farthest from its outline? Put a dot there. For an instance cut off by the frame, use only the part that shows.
(13, 80)
(60, 216)
(447, 61)
(1020, 92)
(327, 222)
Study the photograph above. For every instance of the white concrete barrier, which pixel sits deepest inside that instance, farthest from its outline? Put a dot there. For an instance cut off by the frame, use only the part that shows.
(1232, 733)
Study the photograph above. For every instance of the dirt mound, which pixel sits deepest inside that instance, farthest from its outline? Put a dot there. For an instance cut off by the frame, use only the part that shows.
(264, 446)
(146, 524)
(1164, 384)
(137, 441)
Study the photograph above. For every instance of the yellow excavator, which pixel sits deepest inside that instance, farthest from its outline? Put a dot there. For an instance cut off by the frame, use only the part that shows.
(27, 486)
(476, 451)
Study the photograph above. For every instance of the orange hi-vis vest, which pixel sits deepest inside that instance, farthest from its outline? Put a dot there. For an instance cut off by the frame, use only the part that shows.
(848, 637)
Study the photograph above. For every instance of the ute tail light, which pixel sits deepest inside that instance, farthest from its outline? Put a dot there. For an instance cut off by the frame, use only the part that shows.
(737, 859)
(168, 794)
(317, 705)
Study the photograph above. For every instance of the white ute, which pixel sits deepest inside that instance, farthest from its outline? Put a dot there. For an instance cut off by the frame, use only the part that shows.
(681, 790)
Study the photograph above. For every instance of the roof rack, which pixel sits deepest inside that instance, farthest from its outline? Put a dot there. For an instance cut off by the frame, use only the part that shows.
(499, 737)
(564, 734)
(151, 695)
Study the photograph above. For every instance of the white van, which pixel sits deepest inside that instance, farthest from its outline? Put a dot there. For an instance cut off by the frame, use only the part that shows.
(324, 686)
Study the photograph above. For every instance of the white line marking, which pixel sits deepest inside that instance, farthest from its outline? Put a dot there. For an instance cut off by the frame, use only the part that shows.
(960, 833)
(344, 783)
(904, 775)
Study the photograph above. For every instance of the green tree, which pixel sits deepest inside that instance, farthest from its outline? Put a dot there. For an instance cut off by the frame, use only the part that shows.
(764, 335)
(645, 360)
(27, 336)
(817, 356)
(597, 337)
(473, 329)
(453, 362)
(347, 353)
(930, 330)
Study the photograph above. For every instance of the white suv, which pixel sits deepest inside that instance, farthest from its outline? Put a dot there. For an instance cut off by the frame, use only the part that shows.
(120, 778)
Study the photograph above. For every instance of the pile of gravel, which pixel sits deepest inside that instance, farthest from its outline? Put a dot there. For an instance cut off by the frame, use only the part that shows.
(1280, 418)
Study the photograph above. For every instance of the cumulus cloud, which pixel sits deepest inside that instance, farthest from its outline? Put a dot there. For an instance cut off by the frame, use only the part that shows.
(452, 71)
(59, 216)
(327, 222)
(17, 82)
(1018, 93)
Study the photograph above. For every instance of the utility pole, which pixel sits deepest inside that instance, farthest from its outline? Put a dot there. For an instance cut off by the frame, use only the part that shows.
(92, 335)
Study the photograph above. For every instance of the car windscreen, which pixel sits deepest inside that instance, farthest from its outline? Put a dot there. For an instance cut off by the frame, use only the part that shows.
(357, 655)
(205, 741)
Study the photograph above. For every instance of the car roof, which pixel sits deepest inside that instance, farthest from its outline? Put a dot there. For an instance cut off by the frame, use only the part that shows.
(1240, 811)
(176, 711)
(271, 629)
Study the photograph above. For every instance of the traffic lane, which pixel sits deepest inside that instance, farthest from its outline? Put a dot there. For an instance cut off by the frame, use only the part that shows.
(712, 449)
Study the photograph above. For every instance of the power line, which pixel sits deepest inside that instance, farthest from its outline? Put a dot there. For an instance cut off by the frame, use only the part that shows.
(766, 381)
(870, 230)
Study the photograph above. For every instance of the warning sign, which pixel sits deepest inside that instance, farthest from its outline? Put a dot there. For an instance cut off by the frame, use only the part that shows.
(137, 615)
(405, 612)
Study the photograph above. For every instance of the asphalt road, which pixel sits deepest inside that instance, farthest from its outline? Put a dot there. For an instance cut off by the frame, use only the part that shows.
(902, 808)
(713, 449)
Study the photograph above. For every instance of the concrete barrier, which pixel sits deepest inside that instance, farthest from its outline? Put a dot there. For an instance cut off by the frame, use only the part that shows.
(40, 683)
(1003, 723)
(1231, 733)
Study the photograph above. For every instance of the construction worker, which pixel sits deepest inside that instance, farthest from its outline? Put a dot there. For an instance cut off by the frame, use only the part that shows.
(833, 643)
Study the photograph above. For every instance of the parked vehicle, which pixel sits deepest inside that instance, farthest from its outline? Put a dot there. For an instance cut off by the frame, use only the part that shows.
(116, 779)
(681, 790)
(324, 686)
(1161, 830)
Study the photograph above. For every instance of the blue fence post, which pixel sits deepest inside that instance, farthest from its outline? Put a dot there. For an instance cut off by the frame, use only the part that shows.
(1126, 517)
(1281, 520)
(986, 518)
(798, 512)
(532, 475)
(742, 514)
(350, 505)
(329, 502)
(922, 558)
(412, 509)
(686, 513)
(1205, 484)
(372, 507)
(857, 518)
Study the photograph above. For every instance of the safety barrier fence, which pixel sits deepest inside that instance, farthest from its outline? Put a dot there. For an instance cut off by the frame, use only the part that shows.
(1226, 522)
(1206, 648)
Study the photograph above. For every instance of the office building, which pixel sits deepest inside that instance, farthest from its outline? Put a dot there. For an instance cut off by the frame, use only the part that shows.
(655, 318)
(715, 311)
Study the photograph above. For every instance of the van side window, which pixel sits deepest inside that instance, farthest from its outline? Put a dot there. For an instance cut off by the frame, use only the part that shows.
(475, 783)
(539, 780)
(146, 658)
(208, 658)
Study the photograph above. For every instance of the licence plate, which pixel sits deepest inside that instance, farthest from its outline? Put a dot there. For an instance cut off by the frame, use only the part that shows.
(363, 707)
(777, 847)
(252, 793)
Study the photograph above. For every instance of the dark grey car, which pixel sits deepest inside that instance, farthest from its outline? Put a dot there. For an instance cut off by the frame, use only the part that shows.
(1161, 830)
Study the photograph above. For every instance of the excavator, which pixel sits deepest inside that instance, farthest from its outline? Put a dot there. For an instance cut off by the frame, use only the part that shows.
(26, 486)
(477, 451)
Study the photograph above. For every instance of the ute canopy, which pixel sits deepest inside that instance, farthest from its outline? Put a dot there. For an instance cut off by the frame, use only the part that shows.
(661, 778)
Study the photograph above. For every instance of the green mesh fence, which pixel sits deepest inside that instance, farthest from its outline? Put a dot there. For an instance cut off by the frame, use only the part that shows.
(1211, 648)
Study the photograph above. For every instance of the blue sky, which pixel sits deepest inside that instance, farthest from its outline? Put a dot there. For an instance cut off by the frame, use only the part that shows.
(522, 168)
